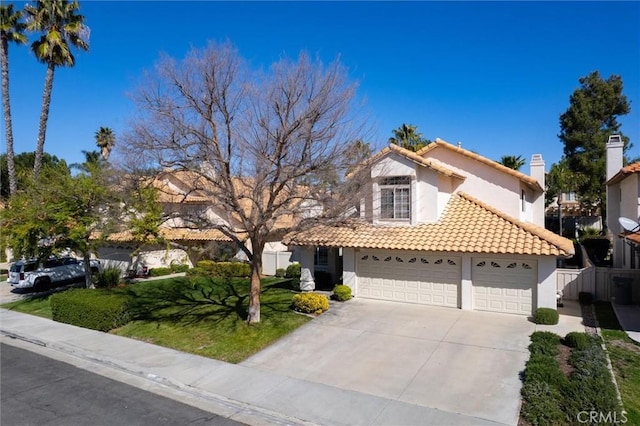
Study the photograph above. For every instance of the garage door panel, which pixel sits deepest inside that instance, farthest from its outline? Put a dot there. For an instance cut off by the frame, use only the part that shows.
(409, 277)
(504, 285)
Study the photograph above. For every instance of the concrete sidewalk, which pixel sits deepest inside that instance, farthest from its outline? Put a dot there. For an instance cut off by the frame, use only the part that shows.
(238, 392)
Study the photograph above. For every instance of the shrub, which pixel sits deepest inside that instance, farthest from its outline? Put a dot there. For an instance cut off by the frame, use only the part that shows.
(293, 271)
(578, 340)
(341, 292)
(158, 272)
(281, 272)
(546, 316)
(541, 404)
(232, 269)
(108, 278)
(544, 343)
(179, 267)
(223, 269)
(590, 385)
(95, 309)
(585, 298)
(310, 303)
(545, 369)
(205, 264)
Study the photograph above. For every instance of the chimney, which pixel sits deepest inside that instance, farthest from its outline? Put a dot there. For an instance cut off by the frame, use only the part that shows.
(615, 147)
(537, 172)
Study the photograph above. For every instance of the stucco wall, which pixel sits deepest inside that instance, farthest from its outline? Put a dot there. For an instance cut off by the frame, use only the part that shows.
(483, 182)
(547, 283)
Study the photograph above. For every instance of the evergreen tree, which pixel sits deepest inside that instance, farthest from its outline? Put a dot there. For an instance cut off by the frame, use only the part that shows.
(585, 128)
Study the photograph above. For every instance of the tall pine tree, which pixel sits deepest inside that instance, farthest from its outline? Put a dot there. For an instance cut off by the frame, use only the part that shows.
(585, 127)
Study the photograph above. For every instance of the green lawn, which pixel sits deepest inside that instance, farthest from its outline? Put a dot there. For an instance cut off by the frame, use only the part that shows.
(625, 359)
(200, 315)
(37, 305)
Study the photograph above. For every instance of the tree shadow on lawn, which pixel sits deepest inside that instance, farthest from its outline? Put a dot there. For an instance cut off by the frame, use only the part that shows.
(190, 301)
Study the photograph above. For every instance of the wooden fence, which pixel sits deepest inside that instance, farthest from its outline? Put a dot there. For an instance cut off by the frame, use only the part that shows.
(597, 281)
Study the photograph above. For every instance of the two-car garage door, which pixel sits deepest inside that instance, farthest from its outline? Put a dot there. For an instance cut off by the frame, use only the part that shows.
(499, 285)
(409, 277)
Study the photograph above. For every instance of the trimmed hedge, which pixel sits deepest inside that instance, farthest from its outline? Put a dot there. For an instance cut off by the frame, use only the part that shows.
(546, 316)
(95, 309)
(341, 293)
(310, 303)
(293, 271)
(179, 267)
(550, 397)
(577, 340)
(281, 272)
(158, 272)
(222, 269)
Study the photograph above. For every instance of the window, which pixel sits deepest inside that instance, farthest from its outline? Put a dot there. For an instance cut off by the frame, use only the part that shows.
(523, 200)
(569, 196)
(322, 256)
(395, 199)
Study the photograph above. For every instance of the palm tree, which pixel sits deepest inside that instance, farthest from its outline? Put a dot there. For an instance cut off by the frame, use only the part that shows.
(514, 162)
(60, 28)
(11, 30)
(105, 140)
(407, 136)
(561, 179)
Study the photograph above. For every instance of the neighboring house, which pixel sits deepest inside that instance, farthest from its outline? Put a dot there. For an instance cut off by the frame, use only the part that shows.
(574, 216)
(623, 200)
(186, 206)
(445, 226)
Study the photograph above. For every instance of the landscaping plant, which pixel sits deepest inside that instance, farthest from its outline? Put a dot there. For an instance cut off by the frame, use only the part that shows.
(546, 316)
(310, 303)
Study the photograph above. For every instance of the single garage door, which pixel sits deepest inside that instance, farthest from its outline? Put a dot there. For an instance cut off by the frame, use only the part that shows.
(408, 277)
(504, 285)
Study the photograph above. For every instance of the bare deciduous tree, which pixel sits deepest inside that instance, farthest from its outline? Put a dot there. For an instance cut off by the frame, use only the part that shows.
(270, 149)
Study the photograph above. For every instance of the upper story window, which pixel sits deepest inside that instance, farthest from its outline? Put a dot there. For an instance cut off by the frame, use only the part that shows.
(395, 197)
(569, 196)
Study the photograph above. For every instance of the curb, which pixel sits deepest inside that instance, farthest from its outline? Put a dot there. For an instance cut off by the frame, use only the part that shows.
(247, 413)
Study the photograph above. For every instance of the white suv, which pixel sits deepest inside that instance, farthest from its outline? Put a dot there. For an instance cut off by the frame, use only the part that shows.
(48, 273)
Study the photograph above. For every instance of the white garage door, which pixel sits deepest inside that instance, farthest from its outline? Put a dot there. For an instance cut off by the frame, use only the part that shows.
(408, 277)
(504, 285)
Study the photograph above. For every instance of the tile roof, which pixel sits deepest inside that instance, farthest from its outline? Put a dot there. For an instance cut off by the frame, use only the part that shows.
(624, 172)
(176, 234)
(530, 181)
(467, 226)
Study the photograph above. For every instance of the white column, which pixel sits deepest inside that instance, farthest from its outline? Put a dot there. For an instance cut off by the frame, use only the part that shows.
(547, 283)
(349, 269)
(537, 202)
(466, 285)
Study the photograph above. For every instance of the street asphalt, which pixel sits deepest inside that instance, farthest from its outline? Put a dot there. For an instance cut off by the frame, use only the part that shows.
(37, 390)
(360, 372)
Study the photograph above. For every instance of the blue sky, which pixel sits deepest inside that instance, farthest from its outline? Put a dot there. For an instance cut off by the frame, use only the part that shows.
(493, 75)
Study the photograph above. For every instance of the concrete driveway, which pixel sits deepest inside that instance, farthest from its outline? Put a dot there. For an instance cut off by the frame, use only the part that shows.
(458, 361)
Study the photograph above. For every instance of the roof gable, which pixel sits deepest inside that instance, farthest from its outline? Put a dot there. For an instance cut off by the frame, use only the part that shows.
(441, 144)
(411, 156)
